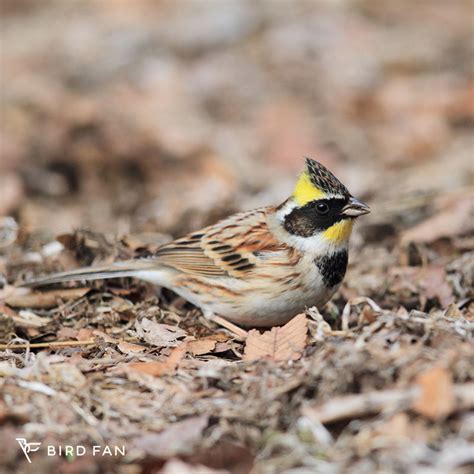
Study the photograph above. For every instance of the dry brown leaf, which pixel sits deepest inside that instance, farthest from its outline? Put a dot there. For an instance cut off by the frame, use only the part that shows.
(158, 368)
(157, 334)
(280, 343)
(67, 374)
(84, 333)
(176, 466)
(104, 336)
(67, 333)
(437, 396)
(21, 298)
(29, 319)
(457, 218)
(179, 439)
(128, 348)
(358, 405)
(434, 284)
(201, 346)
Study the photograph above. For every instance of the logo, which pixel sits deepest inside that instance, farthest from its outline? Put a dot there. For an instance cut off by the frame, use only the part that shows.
(28, 448)
(70, 451)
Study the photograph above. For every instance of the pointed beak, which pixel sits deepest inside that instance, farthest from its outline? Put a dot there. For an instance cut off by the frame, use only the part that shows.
(355, 208)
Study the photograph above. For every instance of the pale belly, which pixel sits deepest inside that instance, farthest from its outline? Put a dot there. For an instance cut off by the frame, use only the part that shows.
(257, 302)
(259, 305)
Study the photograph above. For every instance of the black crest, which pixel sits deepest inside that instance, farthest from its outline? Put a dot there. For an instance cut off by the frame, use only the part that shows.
(324, 180)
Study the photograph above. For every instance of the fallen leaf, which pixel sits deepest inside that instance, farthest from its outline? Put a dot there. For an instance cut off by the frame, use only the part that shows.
(179, 439)
(67, 333)
(434, 284)
(176, 466)
(280, 343)
(158, 368)
(67, 374)
(368, 315)
(24, 298)
(28, 319)
(104, 336)
(156, 334)
(233, 458)
(455, 219)
(127, 348)
(201, 346)
(85, 333)
(436, 400)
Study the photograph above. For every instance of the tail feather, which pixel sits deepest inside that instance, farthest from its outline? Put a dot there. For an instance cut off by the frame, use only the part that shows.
(115, 270)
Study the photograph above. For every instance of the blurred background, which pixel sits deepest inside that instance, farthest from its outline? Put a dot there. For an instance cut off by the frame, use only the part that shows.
(151, 118)
(163, 116)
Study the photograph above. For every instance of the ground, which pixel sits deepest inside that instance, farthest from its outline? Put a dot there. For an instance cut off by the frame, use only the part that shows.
(127, 124)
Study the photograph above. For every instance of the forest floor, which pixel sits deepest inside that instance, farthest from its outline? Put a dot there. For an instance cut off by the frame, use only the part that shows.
(121, 131)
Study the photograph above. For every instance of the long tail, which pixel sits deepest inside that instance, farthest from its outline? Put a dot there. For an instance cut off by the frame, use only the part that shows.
(127, 268)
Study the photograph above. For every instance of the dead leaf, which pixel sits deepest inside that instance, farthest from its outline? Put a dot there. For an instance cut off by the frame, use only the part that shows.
(156, 334)
(85, 333)
(127, 348)
(28, 319)
(280, 343)
(201, 346)
(67, 333)
(455, 219)
(24, 298)
(176, 466)
(368, 315)
(434, 285)
(67, 374)
(159, 368)
(437, 397)
(179, 439)
(233, 458)
(104, 336)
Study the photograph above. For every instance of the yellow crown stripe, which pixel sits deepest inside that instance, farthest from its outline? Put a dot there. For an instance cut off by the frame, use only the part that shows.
(305, 191)
(339, 232)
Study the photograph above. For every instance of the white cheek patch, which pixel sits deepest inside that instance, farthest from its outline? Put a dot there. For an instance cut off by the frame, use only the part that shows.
(316, 244)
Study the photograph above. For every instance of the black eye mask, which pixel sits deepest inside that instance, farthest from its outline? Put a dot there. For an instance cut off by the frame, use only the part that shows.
(314, 217)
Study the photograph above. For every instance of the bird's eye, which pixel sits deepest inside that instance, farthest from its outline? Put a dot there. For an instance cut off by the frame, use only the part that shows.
(322, 208)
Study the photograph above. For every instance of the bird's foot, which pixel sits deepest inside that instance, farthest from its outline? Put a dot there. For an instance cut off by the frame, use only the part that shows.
(234, 329)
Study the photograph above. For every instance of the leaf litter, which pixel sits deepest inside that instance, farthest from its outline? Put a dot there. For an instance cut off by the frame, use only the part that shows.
(380, 379)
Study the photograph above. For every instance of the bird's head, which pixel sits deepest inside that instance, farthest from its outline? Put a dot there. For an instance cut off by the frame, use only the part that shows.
(321, 206)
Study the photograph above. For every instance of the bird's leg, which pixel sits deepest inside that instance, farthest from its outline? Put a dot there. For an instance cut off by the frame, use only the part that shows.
(239, 332)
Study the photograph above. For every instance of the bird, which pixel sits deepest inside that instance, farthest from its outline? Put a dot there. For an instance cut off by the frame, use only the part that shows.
(256, 268)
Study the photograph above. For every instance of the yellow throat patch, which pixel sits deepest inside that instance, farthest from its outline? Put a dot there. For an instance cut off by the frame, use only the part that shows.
(339, 232)
(305, 191)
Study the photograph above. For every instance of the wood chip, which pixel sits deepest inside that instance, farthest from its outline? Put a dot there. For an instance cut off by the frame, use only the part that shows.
(280, 343)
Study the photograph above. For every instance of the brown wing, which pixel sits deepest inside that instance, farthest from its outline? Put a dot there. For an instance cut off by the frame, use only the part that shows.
(229, 248)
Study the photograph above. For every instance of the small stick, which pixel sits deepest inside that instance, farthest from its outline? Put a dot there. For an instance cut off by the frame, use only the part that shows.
(53, 344)
(371, 403)
(239, 332)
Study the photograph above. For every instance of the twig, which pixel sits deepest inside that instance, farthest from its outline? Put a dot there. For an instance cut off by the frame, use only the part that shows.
(371, 403)
(53, 344)
(239, 332)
